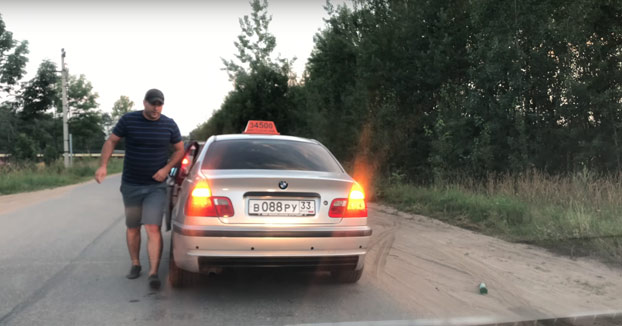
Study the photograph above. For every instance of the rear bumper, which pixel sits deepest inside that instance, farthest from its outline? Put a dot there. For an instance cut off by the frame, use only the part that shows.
(196, 249)
(229, 233)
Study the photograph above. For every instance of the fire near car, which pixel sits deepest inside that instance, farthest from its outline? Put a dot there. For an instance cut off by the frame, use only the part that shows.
(261, 199)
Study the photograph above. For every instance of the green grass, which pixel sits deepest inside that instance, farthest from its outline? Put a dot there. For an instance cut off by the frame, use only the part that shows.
(23, 177)
(580, 215)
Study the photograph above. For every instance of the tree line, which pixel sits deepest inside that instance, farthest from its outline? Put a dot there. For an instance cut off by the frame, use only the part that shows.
(31, 111)
(443, 89)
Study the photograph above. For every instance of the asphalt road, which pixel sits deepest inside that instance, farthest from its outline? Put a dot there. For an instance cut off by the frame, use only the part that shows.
(63, 261)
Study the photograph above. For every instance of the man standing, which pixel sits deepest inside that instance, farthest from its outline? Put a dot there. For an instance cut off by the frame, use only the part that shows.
(148, 135)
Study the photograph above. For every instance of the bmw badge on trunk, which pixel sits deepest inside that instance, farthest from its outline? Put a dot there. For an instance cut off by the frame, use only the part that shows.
(283, 185)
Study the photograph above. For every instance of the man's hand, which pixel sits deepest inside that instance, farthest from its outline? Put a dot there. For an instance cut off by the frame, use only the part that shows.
(100, 174)
(107, 149)
(161, 174)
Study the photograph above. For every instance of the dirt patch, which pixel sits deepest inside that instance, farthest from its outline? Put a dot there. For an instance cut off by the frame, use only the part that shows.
(434, 269)
(11, 203)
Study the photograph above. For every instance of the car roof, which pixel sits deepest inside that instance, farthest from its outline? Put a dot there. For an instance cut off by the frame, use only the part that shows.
(260, 136)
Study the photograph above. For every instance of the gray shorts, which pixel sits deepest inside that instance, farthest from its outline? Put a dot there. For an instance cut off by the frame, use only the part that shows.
(144, 204)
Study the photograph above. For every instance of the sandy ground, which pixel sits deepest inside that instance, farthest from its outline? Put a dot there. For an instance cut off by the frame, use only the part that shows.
(435, 269)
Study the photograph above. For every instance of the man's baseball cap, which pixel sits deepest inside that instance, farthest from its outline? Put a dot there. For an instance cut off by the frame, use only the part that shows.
(154, 95)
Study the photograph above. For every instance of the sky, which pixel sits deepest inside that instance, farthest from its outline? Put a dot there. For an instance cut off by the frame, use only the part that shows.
(128, 47)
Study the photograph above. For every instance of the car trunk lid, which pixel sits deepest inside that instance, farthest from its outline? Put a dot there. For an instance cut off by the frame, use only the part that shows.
(279, 197)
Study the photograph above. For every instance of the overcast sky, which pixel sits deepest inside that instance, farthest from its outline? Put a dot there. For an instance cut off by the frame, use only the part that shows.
(127, 47)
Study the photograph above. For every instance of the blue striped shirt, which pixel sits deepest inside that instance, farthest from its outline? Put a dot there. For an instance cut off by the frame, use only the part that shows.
(147, 145)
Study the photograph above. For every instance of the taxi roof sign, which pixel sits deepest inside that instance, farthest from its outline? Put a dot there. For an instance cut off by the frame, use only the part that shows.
(261, 127)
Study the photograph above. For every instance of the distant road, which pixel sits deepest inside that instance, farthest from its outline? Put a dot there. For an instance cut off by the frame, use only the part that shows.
(64, 259)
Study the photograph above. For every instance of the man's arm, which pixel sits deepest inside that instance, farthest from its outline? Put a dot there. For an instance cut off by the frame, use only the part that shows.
(107, 150)
(175, 158)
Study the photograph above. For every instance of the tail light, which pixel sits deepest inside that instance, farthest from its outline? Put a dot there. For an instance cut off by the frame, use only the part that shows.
(185, 164)
(353, 206)
(202, 203)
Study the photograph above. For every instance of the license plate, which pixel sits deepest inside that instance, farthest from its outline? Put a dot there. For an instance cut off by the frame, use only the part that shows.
(279, 207)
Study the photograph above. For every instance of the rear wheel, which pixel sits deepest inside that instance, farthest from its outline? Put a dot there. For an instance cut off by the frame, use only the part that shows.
(346, 276)
(177, 276)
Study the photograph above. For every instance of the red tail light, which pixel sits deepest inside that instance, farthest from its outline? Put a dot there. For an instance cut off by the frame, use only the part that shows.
(338, 207)
(224, 208)
(353, 206)
(202, 203)
(185, 164)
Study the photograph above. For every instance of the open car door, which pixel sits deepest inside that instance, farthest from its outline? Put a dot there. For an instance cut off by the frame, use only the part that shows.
(177, 176)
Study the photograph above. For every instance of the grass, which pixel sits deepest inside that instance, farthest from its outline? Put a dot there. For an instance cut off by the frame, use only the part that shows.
(23, 177)
(578, 215)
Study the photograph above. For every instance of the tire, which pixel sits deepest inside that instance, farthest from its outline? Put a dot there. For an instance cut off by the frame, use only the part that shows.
(346, 276)
(177, 276)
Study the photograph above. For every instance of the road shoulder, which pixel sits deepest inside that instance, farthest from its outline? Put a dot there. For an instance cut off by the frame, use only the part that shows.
(13, 202)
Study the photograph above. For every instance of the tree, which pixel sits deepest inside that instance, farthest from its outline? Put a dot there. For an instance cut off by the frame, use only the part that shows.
(334, 101)
(24, 148)
(85, 123)
(41, 93)
(107, 124)
(8, 125)
(255, 45)
(213, 126)
(27, 124)
(260, 82)
(122, 106)
(35, 117)
(445, 89)
(593, 112)
(12, 60)
(261, 95)
(80, 95)
(12, 63)
(87, 132)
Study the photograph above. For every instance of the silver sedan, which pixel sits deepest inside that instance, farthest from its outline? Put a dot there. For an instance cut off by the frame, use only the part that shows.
(261, 199)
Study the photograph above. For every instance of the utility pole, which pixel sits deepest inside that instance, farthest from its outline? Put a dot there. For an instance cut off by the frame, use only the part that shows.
(65, 110)
(70, 151)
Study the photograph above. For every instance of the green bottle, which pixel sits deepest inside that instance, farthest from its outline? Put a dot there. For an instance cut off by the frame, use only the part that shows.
(482, 288)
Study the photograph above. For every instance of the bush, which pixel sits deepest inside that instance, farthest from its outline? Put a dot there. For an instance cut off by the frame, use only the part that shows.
(50, 154)
(25, 148)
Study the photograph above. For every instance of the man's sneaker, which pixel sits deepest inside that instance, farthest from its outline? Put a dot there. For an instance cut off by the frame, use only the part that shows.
(154, 281)
(134, 272)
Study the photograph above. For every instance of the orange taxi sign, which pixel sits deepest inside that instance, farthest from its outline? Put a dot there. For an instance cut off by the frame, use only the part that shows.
(261, 127)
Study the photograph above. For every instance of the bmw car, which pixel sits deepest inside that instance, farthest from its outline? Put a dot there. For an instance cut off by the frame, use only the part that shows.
(264, 200)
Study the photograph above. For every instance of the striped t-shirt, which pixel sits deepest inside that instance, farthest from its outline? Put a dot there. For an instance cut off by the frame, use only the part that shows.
(147, 145)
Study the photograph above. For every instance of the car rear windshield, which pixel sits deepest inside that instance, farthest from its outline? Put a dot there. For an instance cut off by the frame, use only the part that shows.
(269, 154)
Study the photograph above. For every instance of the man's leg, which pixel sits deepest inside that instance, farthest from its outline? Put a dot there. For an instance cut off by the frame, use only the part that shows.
(132, 235)
(132, 200)
(133, 244)
(153, 210)
(154, 247)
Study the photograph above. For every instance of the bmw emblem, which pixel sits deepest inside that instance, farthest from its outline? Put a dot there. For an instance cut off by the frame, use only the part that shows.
(283, 185)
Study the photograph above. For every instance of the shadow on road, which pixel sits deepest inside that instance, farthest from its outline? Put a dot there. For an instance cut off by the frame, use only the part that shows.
(260, 279)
